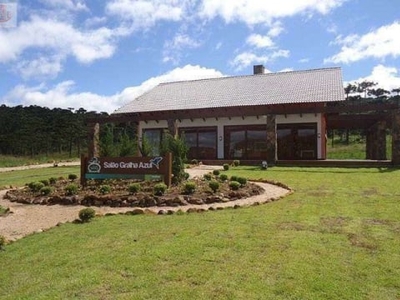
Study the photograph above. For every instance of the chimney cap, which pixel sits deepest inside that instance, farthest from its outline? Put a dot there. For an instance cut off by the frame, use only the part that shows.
(258, 69)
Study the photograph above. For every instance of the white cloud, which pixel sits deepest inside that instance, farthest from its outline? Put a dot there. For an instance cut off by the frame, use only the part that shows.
(304, 60)
(173, 49)
(254, 12)
(62, 95)
(144, 13)
(246, 59)
(43, 67)
(276, 29)
(387, 78)
(260, 41)
(72, 5)
(56, 39)
(380, 43)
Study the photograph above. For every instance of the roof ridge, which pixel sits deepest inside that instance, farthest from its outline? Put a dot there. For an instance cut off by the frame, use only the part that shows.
(251, 75)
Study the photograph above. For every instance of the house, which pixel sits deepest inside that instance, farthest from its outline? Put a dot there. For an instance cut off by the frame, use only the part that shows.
(257, 117)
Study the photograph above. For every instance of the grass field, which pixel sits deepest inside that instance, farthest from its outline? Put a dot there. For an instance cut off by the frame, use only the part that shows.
(336, 237)
(14, 161)
(20, 178)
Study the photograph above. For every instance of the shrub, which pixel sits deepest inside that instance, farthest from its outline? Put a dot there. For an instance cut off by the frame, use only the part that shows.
(105, 189)
(214, 185)
(216, 172)
(52, 180)
(189, 187)
(46, 190)
(186, 175)
(45, 182)
(159, 189)
(72, 177)
(3, 242)
(234, 185)
(194, 162)
(87, 214)
(226, 167)
(223, 177)
(236, 163)
(234, 178)
(134, 188)
(242, 181)
(207, 176)
(71, 189)
(35, 186)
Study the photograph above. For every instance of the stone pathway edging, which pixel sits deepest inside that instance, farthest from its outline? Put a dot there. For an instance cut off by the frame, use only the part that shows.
(27, 219)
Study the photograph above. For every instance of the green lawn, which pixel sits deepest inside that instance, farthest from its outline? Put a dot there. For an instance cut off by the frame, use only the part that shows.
(336, 237)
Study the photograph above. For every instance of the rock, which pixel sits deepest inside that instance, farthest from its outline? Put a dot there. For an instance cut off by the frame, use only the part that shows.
(137, 211)
(195, 201)
(161, 212)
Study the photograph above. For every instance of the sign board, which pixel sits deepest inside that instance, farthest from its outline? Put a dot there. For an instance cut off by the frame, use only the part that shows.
(142, 168)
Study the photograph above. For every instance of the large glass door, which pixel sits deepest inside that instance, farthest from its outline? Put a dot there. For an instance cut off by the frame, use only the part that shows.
(297, 141)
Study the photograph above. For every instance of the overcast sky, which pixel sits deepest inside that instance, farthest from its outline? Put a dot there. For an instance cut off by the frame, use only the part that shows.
(101, 54)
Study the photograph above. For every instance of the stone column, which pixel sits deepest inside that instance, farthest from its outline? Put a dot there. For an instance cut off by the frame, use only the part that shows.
(94, 137)
(173, 127)
(381, 140)
(396, 137)
(271, 139)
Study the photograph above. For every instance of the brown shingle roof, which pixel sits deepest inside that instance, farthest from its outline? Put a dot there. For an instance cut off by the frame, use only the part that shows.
(309, 86)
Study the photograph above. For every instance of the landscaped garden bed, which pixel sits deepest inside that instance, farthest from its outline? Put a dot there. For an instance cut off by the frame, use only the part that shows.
(127, 193)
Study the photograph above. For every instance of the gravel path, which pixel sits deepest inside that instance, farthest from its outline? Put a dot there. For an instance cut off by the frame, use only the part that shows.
(28, 219)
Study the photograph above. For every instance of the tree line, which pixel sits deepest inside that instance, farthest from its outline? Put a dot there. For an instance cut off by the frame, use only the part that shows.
(35, 130)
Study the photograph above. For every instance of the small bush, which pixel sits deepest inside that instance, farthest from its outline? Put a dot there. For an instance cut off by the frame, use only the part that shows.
(71, 189)
(159, 189)
(189, 187)
(226, 167)
(87, 214)
(134, 188)
(234, 178)
(242, 181)
(216, 172)
(72, 177)
(52, 180)
(234, 185)
(236, 163)
(35, 186)
(105, 189)
(45, 182)
(194, 162)
(214, 185)
(46, 190)
(3, 242)
(207, 176)
(223, 177)
(186, 175)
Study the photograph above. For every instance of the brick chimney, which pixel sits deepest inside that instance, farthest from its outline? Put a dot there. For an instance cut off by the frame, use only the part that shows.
(258, 69)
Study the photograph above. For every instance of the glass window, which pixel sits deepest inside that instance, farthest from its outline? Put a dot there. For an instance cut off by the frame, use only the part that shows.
(245, 142)
(153, 138)
(201, 142)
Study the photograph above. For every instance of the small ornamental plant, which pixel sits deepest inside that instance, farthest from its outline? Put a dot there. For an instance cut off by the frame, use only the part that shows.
(234, 178)
(71, 189)
(46, 190)
(223, 177)
(159, 189)
(214, 185)
(35, 186)
(3, 242)
(52, 180)
(86, 214)
(194, 162)
(45, 182)
(134, 188)
(236, 163)
(105, 189)
(226, 167)
(207, 176)
(186, 175)
(234, 185)
(189, 187)
(216, 172)
(242, 181)
(72, 177)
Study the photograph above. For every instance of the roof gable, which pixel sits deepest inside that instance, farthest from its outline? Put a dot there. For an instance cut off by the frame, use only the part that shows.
(309, 86)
